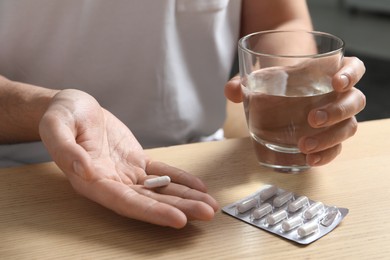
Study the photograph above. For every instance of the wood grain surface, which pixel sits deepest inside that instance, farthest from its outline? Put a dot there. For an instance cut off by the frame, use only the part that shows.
(41, 217)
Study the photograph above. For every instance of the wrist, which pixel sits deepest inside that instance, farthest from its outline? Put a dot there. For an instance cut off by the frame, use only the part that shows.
(21, 108)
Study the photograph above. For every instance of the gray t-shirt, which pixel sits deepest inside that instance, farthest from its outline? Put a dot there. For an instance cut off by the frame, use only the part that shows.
(159, 66)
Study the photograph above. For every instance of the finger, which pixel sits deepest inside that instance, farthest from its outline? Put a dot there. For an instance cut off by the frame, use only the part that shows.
(127, 202)
(184, 192)
(323, 157)
(347, 105)
(176, 175)
(350, 73)
(233, 90)
(193, 209)
(331, 137)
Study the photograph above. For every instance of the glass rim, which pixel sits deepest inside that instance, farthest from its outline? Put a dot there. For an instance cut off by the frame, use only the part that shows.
(316, 33)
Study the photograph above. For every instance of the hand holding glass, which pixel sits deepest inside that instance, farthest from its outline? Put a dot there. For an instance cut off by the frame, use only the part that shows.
(284, 75)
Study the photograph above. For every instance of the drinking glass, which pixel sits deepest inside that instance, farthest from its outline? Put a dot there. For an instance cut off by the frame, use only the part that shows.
(284, 75)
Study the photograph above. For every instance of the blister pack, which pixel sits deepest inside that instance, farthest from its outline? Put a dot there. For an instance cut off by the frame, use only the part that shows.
(284, 213)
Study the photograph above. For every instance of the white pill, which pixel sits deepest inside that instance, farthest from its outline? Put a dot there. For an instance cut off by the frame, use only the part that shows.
(282, 199)
(246, 205)
(313, 210)
(157, 182)
(262, 211)
(307, 229)
(276, 217)
(291, 223)
(298, 204)
(268, 193)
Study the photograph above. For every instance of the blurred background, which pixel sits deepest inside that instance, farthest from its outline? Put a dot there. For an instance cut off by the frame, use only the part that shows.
(364, 25)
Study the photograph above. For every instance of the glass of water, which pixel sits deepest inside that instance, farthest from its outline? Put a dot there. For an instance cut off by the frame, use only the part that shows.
(284, 75)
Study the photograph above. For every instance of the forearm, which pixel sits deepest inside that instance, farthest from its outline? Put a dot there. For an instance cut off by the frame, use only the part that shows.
(261, 15)
(21, 108)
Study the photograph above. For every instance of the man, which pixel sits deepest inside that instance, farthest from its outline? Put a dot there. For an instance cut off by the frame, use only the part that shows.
(160, 67)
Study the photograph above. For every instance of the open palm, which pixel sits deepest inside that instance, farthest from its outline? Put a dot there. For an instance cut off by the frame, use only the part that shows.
(104, 162)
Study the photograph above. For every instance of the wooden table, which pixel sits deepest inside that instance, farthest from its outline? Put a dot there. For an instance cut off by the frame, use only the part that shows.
(41, 217)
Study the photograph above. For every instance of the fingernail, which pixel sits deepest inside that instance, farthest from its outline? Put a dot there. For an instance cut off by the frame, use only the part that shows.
(311, 144)
(321, 117)
(78, 169)
(345, 80)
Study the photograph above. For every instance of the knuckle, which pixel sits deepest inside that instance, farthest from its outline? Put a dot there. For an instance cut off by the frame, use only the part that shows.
(356, 69)
(354, 125)
(341, 111)
(360, 63)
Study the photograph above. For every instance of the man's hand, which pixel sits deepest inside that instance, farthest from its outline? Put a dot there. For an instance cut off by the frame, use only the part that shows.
(339, 116)
(105, 163)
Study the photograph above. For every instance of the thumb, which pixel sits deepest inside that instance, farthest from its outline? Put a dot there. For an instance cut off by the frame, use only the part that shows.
(59, 140)
(233, 90)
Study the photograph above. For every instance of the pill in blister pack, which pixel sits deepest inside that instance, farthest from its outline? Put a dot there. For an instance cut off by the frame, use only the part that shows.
(261, 211)
(247, 205)
(291, 223)
(298, 203)
(281, 199)
(286, 214)
(276, 217)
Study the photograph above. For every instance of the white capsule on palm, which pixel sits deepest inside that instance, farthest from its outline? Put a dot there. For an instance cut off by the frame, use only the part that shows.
(276, 217)
(298, 204)
(261, 211)
(313, 210)
(307, 229)
(246, 205)
(157, 182)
